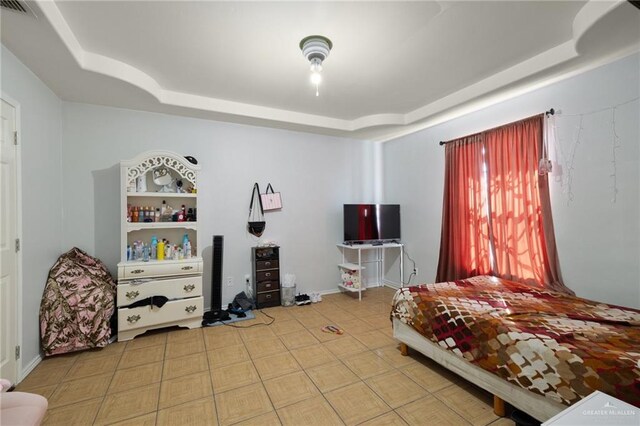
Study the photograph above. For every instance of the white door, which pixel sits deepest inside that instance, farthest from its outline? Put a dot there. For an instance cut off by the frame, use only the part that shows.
(8, 254)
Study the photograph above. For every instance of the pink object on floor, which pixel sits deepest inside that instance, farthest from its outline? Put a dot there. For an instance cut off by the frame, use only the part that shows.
(20, 408)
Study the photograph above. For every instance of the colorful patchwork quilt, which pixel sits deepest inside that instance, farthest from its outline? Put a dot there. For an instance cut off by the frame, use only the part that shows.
(553, 344)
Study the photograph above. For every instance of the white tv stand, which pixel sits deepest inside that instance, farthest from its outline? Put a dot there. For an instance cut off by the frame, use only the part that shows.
(380, 250)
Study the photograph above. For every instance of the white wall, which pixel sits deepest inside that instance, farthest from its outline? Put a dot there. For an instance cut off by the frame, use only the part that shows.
(41, 189)
(315, 174)
(598, 241)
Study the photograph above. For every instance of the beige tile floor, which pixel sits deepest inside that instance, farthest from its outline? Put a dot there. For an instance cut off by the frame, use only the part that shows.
(287, 373)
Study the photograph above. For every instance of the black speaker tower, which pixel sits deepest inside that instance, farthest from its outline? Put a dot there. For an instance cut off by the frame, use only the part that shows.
(216, 313)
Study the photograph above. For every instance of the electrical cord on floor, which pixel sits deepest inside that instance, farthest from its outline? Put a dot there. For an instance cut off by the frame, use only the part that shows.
(252, 325)
(413, 273)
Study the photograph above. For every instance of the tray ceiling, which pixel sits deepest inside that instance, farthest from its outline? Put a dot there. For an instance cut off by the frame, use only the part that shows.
(395, 66)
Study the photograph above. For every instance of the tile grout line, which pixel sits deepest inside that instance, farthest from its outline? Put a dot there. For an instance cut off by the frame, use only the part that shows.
(261, 381)
(164, 354)
(209, 370)
(95, 417)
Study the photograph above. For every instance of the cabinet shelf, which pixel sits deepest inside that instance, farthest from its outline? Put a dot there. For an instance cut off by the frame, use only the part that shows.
(351, 266)
(138, 226)
(162, 194)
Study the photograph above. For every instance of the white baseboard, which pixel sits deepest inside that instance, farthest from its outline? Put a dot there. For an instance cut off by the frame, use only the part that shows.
(29, 368)
(332, 291)
(391, 284)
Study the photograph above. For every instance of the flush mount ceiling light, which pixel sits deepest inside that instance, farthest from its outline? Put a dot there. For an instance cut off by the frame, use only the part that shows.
(316, 49)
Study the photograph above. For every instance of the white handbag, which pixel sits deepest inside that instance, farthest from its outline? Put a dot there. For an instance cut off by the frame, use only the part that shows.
(271, 200)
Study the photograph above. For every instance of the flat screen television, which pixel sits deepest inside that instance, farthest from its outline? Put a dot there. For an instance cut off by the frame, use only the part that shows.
(371, 222)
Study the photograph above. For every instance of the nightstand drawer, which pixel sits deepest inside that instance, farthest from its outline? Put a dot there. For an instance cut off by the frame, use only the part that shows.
(263, 286)
(264, 300)
(134, 290)
(267, 264)
(268, 276)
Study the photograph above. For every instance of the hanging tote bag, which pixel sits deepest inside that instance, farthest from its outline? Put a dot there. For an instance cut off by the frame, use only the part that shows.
(271, 200)
(256, 223)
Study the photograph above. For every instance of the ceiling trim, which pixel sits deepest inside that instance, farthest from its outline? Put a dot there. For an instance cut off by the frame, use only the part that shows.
(474, 106)
(593, 11)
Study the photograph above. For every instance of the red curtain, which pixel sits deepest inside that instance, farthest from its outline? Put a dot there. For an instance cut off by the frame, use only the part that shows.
(519, 205)
(464, 246)
(506, 229)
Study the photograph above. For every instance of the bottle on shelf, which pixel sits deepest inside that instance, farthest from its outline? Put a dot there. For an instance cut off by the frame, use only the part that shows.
(157, 218)
(160, 250)
(163, 211)
(187, 249)
(154, 247)
(135, 214)
(136, 251)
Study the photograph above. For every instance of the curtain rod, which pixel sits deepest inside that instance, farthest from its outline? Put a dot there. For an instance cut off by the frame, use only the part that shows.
(547, 113)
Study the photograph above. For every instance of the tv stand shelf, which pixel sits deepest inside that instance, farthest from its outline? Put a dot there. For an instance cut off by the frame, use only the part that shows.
(356, 268)
(351, 266)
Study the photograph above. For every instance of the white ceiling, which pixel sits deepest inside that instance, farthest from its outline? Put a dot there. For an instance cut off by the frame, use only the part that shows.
(395, 66)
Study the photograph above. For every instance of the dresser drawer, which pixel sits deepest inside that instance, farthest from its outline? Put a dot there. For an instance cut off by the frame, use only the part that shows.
(177, 288)
(263, 286)
(267, 264)
(159, 269)
(145, 316)
(264, 300)
(268, 276)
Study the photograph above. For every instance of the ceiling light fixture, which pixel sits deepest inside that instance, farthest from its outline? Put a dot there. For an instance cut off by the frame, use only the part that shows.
(316, 49)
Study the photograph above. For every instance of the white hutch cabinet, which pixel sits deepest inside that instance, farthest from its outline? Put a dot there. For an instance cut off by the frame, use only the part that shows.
(178, 279)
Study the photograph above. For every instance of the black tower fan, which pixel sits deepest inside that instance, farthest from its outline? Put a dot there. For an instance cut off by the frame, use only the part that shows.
(216, 313)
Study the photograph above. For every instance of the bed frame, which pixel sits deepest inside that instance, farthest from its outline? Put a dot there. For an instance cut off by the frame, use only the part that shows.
(533, 404)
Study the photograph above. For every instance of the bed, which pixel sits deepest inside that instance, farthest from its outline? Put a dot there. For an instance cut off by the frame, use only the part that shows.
(538, 350)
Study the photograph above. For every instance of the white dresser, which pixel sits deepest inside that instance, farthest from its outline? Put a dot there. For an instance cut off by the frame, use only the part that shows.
(178, 280)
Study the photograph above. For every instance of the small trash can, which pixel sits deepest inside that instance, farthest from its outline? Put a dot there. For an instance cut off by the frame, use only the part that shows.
(289, 296)
(288, 290)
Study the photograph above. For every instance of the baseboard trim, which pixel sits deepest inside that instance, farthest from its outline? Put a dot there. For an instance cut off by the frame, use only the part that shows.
(391, 284)
(29, 368)
(331, 291)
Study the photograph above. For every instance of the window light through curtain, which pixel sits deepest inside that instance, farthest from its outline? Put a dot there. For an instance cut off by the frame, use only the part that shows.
(497, 212)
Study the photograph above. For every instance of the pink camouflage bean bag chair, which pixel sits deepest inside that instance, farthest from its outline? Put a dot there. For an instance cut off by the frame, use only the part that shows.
(77, 304)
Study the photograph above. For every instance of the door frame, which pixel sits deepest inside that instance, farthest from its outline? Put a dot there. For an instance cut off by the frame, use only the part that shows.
(8, 99)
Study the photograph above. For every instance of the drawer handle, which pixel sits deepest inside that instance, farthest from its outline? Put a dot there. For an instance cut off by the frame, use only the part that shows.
(133, 294)
(268, 285)
(268, 274)
(137, 271)
(268, 296)
(131, 319)
(267, 263)
(189, 288)
(190, 309)
(187, 268)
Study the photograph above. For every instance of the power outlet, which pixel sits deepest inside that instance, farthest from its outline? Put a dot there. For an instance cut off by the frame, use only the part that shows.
(229, 281)
(415, 271)
(247, 279)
